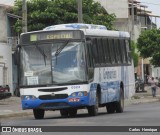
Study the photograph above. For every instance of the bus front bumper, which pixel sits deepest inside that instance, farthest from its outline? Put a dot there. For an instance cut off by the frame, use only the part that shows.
(55, 104)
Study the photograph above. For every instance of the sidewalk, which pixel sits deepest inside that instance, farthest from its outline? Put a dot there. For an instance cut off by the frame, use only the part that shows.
(11, 107)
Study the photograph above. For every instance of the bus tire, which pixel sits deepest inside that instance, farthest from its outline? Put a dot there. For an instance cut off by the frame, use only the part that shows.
(64, 112)
(93, 110)
(72, 112)
(120, 103)
(38, 113)
(110, 107)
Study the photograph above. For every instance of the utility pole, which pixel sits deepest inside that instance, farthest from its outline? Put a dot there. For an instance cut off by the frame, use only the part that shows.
(80, 15)
(24, 16)
(132, 19)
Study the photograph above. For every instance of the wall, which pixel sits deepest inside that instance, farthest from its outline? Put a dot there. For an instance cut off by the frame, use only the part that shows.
(5, 51)
(155, 72)
(3, 25)
(119, 7)
(121, 24)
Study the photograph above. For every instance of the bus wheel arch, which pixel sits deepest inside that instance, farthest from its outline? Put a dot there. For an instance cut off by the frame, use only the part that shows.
(120, 103)
(93, 110)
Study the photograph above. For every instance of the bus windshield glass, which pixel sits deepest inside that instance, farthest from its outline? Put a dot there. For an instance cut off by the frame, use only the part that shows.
(53, 63)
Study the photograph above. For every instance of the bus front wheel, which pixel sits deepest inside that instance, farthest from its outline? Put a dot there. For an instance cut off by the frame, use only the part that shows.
(64, 112)
(93, 110)
(110, 107)
(72, 112)
(38, 113)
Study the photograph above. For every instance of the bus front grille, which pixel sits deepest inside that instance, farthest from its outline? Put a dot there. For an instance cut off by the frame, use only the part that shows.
(54, 105)
(50, 97)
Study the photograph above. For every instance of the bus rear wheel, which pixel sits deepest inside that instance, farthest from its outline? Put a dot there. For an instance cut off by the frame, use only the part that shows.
(38, 113)
(93, 110)
(120, 103)
(110, 107)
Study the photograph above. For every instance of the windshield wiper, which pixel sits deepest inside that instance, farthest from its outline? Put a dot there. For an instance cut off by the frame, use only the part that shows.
(42, 52)
(61, 48)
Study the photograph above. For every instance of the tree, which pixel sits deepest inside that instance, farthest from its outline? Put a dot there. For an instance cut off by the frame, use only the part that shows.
(134, 54)
(148, 45)
(42, 13)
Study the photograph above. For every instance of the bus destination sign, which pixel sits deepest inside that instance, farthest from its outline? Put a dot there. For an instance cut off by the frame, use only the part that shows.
(39, 36)
(36, 37)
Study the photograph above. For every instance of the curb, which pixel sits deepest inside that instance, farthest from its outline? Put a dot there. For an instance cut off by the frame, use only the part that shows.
(146, 101)
(16, 114)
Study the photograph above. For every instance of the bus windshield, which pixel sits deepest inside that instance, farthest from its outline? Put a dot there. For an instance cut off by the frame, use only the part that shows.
(53, 63)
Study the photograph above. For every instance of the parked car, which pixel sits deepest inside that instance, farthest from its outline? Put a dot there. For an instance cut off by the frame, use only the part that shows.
(139, 84)
(5, 92)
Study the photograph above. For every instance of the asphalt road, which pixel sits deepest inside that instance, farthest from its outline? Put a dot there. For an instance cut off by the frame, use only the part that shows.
(147, 114)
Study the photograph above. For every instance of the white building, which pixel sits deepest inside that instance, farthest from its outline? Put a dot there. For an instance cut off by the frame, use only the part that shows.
(6, 47)
(134, 22)
(5, 51)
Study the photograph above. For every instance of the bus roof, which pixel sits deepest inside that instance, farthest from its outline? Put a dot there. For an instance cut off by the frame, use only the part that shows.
(88, 30)
(107, 33)
(75, 26)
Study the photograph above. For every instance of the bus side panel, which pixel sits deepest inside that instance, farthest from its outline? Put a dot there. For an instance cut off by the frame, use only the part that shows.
(104, 93)
(110, 84)
(113, 91)
(92, 94)
(127, 76)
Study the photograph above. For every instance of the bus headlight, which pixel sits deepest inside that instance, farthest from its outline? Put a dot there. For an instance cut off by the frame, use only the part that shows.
(73, 94)
(79, 94)
(28, 97)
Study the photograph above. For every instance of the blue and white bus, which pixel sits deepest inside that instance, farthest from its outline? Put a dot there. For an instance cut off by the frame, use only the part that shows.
(74, 66)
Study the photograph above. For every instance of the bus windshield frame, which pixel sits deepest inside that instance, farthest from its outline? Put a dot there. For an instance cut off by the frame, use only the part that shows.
(56, 62)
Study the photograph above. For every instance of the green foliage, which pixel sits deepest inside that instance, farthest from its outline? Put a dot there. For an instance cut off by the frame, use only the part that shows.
(18, 26)
(43, 13)
(134, 54)
(148, 45)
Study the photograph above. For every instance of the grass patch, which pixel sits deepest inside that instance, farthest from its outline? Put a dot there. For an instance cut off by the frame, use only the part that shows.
(135, 97)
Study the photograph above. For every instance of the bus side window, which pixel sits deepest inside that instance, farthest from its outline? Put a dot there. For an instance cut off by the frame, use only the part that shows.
(120, 51)
(117, 51)
(95, 52)
(128, 48)
(89, 54)
(111, 45)
(124, 51)
(100, 51)
(106, 51)
(90, 60)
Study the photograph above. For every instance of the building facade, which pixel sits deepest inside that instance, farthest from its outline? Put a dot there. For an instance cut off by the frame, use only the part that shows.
(134, 17)
(7, 44)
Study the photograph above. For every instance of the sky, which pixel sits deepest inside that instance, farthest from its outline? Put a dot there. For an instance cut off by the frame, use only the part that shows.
(153, 5)
(7, 2)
